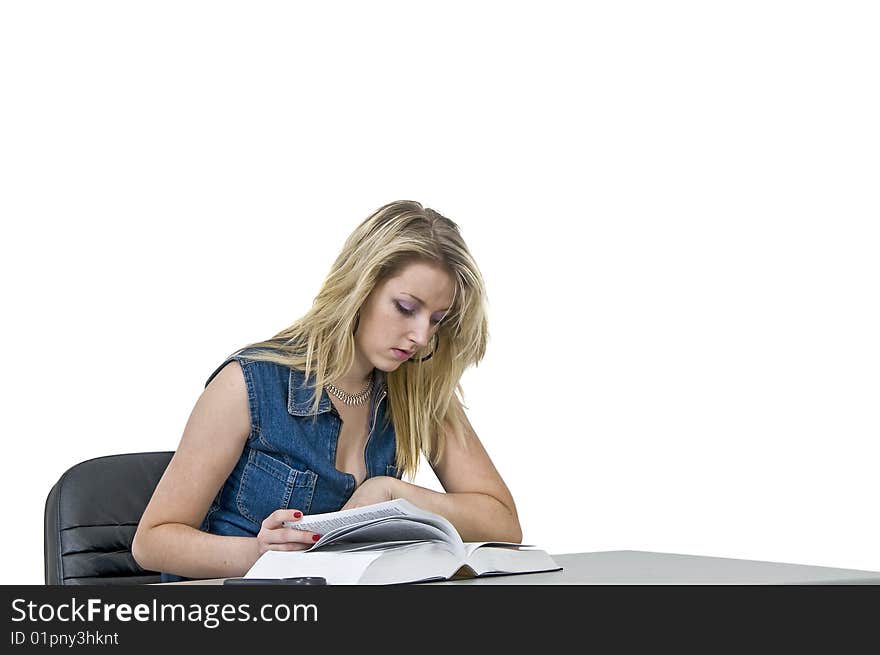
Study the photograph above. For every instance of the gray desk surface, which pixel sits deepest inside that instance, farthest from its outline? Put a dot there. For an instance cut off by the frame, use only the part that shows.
(639, 567)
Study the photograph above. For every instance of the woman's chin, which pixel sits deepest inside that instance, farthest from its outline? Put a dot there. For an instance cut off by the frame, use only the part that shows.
(391, 366)
(387, 365)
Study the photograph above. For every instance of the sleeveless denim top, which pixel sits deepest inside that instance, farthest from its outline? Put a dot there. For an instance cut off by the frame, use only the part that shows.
(289, 459)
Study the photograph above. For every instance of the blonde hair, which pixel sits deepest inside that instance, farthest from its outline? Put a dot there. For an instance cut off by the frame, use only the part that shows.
(423, 405)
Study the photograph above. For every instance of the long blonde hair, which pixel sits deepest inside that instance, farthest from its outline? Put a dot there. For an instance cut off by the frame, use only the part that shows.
(423, 405)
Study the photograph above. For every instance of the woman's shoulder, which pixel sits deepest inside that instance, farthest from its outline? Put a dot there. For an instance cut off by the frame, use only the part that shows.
(255, 361)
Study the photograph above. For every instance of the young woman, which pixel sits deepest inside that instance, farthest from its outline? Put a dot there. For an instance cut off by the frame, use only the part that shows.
(331, 412)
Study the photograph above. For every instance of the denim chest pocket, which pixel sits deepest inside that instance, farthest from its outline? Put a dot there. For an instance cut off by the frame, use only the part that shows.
(268, 484)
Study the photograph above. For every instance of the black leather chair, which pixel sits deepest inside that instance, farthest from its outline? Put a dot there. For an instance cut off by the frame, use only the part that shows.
(91, 516)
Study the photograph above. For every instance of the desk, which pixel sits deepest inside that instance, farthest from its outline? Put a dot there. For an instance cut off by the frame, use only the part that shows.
(623, 567)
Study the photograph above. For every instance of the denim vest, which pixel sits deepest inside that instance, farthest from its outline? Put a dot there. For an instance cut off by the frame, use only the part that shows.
(289, 459)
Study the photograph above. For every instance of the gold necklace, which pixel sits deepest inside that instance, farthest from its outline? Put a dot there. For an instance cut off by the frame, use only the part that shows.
(349, 399)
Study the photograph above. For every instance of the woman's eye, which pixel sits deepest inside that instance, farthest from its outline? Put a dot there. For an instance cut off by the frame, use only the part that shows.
(409, 312)
(404, 310)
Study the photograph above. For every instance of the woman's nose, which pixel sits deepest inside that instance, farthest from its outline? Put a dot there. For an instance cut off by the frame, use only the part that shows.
(421, 335)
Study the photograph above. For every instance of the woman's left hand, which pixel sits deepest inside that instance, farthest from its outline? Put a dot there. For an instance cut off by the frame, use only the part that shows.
(373, 490)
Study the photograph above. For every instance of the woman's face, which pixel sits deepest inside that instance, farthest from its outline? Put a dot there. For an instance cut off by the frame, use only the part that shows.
(403, 313)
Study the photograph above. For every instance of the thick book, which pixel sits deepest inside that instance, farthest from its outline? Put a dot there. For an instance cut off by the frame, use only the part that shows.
(395, 542)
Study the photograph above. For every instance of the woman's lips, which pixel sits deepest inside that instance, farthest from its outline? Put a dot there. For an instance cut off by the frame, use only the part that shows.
(400, 354)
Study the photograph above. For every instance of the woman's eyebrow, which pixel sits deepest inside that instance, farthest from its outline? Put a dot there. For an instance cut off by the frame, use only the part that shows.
(422, 302)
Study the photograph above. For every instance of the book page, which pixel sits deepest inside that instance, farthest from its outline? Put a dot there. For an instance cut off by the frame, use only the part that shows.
(337, 569)
(492, 560)
(412, 523)
(388, 563)
(419, 562)
(348, 547)
(387, 529)
(471, 546)
(329, 521)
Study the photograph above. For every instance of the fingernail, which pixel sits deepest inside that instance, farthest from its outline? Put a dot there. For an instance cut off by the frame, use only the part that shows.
(297, 515)
(315, 537)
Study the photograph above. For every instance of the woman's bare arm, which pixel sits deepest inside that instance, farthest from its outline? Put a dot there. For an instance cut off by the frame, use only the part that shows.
(476, 500)
(168, 537)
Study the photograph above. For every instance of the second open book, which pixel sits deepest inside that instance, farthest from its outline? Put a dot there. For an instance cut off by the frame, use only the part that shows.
(391, 543)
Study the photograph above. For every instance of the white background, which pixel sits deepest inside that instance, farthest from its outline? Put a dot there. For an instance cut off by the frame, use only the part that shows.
(674, 205)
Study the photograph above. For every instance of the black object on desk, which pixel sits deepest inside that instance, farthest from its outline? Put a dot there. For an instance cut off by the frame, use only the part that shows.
(276, 581)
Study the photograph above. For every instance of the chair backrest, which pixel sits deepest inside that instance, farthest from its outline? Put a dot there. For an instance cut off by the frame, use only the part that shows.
(91, 516)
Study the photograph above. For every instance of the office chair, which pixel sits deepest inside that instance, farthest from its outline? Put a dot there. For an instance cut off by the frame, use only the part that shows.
(91, 516)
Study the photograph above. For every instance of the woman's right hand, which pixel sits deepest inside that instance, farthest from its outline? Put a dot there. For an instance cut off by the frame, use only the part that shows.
(274, 536)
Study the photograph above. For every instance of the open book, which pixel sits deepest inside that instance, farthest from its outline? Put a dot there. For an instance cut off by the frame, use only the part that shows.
(391, 543)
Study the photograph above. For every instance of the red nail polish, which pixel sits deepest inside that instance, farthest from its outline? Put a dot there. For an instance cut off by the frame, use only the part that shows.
(297, 515)
(315, 537)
